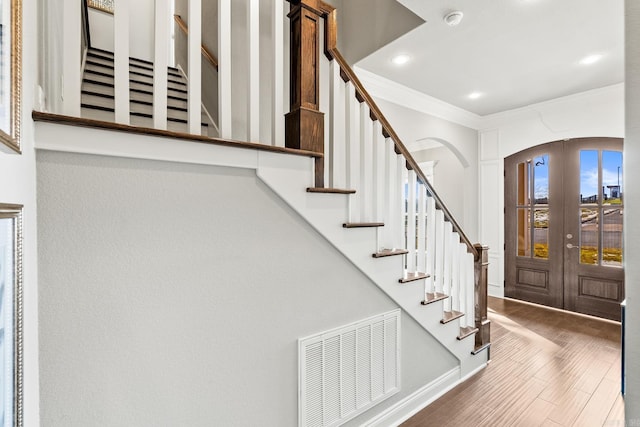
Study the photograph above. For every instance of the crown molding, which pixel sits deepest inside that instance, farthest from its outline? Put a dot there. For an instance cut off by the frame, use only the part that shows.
(383, 88)
(497, 120)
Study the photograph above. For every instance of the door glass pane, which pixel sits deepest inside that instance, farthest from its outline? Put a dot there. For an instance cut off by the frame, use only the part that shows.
(589, 236)
(541, 233)
(612, 177)
(541, 179)
(523, 183)
(524, 232)
(612, 236)
(588, 176)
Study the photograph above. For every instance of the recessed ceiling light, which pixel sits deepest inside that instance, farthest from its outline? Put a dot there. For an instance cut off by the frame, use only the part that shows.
(401, 59)
(453, 18)
(591, 59)
(475, 95)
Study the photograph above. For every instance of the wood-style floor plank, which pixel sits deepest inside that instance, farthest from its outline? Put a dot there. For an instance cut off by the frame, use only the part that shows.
(548, 368)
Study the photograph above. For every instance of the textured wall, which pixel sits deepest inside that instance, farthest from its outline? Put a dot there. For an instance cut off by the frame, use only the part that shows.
(174, 294)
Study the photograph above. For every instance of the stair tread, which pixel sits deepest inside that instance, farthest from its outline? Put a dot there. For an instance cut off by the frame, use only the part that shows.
(329, 190)
(110, 66)
(132, 100)
(432, 297)
(467, 331)
(362, 224)
(136, 113)
(413, 276)
(449, 316)
(390, 252)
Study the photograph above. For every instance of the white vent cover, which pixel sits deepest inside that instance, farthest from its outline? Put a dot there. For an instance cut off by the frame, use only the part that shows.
(345, 371)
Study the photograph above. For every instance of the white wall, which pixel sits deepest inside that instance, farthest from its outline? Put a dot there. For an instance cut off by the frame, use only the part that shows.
(598, 112)
(17, 185)
(632, 202)
(448, 177)
(174, 294)
(141, 29)
(412, 125)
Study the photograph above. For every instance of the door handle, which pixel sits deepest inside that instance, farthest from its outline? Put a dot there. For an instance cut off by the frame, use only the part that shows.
(571, 246)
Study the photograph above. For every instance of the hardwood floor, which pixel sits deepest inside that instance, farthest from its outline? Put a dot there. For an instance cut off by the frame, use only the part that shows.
(548, 368)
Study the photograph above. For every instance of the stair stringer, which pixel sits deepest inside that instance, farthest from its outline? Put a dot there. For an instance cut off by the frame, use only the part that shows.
(289, 177)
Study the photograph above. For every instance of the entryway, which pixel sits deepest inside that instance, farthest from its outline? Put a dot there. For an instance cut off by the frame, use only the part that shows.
(563, 225)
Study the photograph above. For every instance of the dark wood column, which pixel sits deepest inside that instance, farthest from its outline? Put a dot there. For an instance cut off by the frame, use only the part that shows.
(304, 124)
(483, 336)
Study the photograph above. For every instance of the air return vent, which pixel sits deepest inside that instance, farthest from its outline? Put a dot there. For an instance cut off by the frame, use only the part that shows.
(345, 371)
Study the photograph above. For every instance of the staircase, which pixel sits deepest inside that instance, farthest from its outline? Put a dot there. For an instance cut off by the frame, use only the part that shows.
(97, 93)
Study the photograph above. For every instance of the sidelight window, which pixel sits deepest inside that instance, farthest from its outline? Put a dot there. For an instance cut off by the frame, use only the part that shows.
(533, 208)
(601, 207)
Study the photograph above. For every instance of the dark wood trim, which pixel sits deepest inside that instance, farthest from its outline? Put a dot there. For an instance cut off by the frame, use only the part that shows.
(450, 316)
(432, 297)
(390, 252)
(323, 190)
(482, 322)
(98, 124)
(304, 124)
(362, 224)
(208, 55)
(412, 277)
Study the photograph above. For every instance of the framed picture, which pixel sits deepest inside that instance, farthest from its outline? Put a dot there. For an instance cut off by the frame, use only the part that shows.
(11, 315)
(10, 74)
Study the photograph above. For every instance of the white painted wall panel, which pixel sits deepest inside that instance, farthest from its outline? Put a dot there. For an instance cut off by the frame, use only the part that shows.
(632, 208)
(186, 305)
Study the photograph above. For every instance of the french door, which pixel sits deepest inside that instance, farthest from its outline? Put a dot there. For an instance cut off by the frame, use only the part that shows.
(564, 209)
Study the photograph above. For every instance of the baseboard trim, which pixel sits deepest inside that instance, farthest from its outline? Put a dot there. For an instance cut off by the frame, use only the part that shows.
(421, 398)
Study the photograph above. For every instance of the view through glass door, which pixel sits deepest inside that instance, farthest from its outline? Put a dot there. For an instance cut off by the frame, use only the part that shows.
(564, 210)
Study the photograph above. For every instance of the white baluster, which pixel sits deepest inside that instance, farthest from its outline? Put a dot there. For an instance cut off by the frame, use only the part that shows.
(400, 205)
(224, 68)
(378, 171)
(121, 60)
(455, 272)
(337, 147)
(194, 59)
(72, 78)
(366, 160)
(421, 230)
(352, 135)
(253, 72)
(411, 221)
(431, 243)
(324, 104)
(462, 268)
(160, 64)
(277, 83)
(439, 252)
(471, 299)
(447, 255)
(390, 186)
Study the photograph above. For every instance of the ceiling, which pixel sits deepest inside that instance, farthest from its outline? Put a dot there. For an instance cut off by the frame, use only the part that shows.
(514, 52)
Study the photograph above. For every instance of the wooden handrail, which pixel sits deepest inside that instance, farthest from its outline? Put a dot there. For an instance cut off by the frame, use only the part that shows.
(347, 74)
(61, 119)
(205, 51)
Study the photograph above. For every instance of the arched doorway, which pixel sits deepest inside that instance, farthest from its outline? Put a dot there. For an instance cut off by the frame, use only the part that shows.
(564, 210)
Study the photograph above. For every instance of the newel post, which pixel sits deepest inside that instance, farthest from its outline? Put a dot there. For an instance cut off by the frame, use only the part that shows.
(481, 285)
(304, 124)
